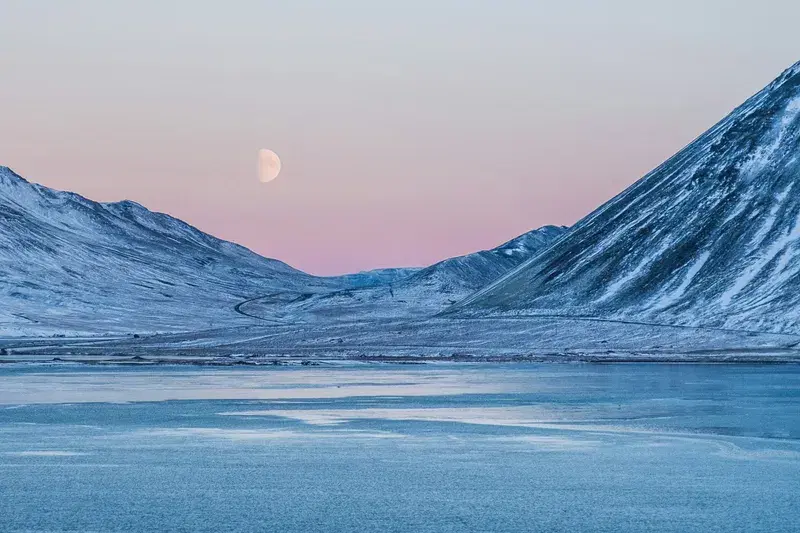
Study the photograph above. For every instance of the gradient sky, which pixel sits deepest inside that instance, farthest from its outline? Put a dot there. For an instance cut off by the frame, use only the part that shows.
(409, 130)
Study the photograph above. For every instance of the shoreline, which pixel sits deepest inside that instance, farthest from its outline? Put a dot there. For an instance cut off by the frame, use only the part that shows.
(291, 361)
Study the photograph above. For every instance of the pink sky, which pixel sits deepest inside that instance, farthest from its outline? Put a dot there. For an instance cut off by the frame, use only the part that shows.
(408, 133)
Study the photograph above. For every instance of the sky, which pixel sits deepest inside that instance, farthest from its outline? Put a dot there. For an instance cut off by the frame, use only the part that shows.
(409, 131)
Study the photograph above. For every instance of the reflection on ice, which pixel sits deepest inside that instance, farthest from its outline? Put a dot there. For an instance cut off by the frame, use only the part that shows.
(137, 385)
(45, 453)
(254, 435)
(500, 416)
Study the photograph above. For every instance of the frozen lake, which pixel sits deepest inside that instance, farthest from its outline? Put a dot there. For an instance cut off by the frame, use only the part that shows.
(437, 447)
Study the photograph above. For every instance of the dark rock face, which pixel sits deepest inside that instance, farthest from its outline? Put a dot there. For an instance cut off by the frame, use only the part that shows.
(711, 237)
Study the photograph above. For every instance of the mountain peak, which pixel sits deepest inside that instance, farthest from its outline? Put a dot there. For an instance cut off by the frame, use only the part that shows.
(9, 177)
(711, 237)
(792, 71)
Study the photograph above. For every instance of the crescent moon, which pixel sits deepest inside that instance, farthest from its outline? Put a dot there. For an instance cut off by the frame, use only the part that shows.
(269, 165)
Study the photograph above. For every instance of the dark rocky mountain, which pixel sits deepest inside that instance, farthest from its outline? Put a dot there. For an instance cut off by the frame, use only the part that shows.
(709, 238)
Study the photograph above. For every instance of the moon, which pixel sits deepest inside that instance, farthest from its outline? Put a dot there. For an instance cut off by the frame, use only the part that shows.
(269, 165)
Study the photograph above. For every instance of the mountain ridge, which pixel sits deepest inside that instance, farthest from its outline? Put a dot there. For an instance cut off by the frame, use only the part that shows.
(122, 208)
(70, 263)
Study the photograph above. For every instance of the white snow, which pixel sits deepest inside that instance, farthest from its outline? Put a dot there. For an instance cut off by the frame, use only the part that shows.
(755, 269)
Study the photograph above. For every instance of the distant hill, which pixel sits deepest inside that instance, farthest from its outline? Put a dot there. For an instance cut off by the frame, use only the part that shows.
(421, 293)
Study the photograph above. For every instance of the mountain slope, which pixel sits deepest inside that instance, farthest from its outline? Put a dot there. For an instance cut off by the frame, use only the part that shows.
(711, 237)
(468, 273)
(414, 293)
(381, 276)
(70, 264)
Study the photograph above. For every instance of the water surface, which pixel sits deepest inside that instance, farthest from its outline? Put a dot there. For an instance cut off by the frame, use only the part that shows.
(439, 447)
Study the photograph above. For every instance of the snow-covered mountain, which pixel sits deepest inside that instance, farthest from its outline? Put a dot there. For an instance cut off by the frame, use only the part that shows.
(711, 237)
(412, 293)
(70, 264)
(381, 276)
(460, 276)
